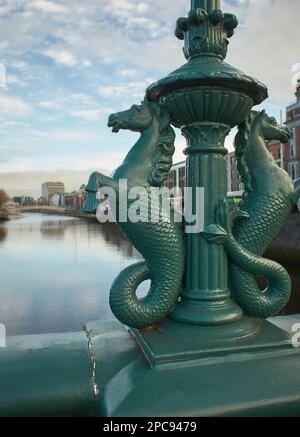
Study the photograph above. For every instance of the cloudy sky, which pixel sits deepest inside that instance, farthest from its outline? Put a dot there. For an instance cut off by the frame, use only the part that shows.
(69, 63)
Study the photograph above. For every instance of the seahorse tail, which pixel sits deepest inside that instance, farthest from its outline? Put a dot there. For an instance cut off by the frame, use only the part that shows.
(244, 270)
(139, 313)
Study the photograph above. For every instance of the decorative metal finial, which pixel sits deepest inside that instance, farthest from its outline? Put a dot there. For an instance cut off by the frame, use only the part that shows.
(206, 30)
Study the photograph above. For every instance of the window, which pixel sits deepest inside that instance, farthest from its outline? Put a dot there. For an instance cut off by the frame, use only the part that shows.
(171, 182)
(279, 153)
(293, 143)
(182, 178)
(294, 170)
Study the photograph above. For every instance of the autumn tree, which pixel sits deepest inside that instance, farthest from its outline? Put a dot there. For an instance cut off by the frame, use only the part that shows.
(3, 197)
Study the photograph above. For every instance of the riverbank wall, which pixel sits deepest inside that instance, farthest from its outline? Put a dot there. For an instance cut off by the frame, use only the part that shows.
(56, 211)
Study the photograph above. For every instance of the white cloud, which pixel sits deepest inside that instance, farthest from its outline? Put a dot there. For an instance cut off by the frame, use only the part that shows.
(14, 106)
(87, 63)
(47, 6)
(48, 104)
(142, 7)
(128, 72)
(133, 89)
(80, 106)
(63, 57)
(4, 124)
(92, 114)
(19, 65)
(65, 135)
(12, 79)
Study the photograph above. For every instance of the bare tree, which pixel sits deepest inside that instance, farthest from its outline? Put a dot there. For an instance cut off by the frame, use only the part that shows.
(3, 198)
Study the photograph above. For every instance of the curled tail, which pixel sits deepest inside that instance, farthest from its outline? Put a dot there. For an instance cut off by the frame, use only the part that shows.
(248, 295)
(140, 313)
(246, 267)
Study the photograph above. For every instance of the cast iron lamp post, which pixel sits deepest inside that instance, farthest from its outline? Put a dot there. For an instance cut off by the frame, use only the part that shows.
(206, 98)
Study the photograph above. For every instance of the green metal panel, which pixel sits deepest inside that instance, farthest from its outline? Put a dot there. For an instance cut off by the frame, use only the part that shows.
(46, 375)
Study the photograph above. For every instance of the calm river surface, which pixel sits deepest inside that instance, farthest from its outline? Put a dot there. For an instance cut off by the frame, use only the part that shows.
(56, 272)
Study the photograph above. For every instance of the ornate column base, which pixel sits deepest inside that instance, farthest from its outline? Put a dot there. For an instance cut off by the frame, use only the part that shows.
(172, 342)
(215, 312)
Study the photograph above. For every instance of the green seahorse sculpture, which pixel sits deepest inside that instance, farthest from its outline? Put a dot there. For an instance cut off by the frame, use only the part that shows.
(160, 241)
(269, 198)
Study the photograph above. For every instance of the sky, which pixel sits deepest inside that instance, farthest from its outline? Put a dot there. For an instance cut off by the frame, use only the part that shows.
(70, 63)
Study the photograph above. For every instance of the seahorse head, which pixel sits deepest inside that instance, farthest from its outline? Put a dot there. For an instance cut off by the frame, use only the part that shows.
(265, 126)
(271, 129)
(140, 118)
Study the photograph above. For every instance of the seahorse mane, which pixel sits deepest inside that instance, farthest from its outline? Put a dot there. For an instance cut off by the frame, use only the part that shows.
(241, 143)
(166, 147)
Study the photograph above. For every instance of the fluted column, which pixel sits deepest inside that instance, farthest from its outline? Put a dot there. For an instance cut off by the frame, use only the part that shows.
(206, 297)
(207, 5)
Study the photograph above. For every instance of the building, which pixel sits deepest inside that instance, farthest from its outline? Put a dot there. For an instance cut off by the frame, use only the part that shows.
(278, 151)
(235, 184)
(74, 200)
(292, 155)
(177, 178)
(51, 188)
(287, 156)
(24, 200)
(56, 200)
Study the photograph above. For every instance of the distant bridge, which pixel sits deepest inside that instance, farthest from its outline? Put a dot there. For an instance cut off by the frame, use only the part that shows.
(55, 211)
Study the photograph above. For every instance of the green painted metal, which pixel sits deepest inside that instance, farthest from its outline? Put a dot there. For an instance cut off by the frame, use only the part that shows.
(244, 378)
(46, 375)
(191, 350)
(146, 166)
(269, 199)
(101, 373)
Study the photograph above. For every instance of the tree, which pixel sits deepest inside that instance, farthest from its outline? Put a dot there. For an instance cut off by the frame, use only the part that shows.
(3, 198)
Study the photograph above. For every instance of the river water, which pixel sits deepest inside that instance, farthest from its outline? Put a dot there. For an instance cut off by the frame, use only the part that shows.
(56, 272)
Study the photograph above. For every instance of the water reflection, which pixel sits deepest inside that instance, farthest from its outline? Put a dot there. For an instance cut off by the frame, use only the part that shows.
(3, 233)
(112, 235)
(56, 272)
(53, 229)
